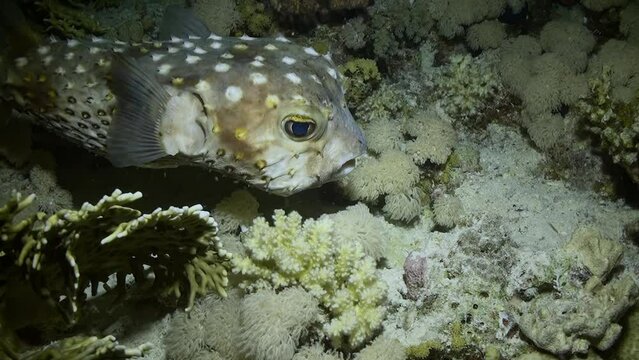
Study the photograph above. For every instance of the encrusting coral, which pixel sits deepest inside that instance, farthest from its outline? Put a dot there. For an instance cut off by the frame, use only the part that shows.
(63, 253)
(583, 308)
(340, 276)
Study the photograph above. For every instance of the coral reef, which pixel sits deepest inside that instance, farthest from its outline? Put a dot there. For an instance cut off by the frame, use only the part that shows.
(84, 348)
(486, 35)
(220, 16)
(63, 253)
(236, 211)
(340, 276)
(361, 77)
(614, 123)
(68, 20)
(257, 19)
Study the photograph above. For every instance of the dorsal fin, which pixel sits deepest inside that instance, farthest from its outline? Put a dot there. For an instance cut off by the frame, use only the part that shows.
(181, 22)
(134, 134)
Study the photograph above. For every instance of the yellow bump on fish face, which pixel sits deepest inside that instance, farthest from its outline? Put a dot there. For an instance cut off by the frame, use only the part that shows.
(238, 156)
(292, 77)
(272, 101)
(222, 67)
(42, 78)
(216, 128)
(164, 69)
(108, 97)
(52, 93)
(220, 152)
(177, 81)
(258, 78)
(241, 133)
(291, 172)
(260, 164)
(233, 93)
(240, 46)
(270, 47)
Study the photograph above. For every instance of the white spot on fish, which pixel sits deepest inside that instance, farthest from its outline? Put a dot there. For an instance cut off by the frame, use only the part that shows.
(192, 59)
(233, 93)
(199, 50)
(258, 79)
(222, 67)
(270, 47)
(79, 69)
(172, 50)
(227, 56)
(288, 60)
(246, 37)
(214, 37)
(94, 50)
(187, 45)
(69, 85)
(118, 50)
(282, 39)
(240, 46)
(43, 50)
(21, 62)
(69, 56)
(164, 69)
(292, 77)
(300, 98)
(327, 56)
(157, 57)
(96, 39)
(103, 62)
(194, 37)
(60, 71)
(216, 45)
(332, 72)
(310, 51)
(202, 86)
(259, 58)
(72, 43)
(119, 42)
(316, 79)
(257, 63)
(47, 60)
(175, 39)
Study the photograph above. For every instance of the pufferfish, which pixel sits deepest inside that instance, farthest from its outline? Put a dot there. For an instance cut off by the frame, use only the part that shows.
(264, 110)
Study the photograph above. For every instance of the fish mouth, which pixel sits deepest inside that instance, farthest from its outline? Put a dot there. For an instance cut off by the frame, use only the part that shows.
(345, 169)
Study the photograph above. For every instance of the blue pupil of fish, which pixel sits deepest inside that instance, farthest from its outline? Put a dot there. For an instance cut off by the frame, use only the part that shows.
(299, 129)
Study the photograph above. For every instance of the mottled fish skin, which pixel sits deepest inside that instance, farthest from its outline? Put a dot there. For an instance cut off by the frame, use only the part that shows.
(237, 105)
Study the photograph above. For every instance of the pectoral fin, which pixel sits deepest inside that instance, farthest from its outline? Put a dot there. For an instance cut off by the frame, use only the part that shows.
(134, 135)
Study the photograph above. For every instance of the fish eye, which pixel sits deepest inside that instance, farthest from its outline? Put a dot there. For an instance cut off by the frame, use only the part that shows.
(299, 127)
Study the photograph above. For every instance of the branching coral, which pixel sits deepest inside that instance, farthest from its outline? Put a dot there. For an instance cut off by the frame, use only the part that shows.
(361, 77)
(453, 15)
(339, 275)
(466, 86)
(397, 23)
(85, 348)
(64, 253)
(615, 123)
(70, 21)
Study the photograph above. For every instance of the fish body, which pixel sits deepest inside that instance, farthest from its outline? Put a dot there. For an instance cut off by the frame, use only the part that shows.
(264, 110)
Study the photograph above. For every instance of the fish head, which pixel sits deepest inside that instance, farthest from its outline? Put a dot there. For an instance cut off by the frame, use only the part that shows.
(292, 133)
